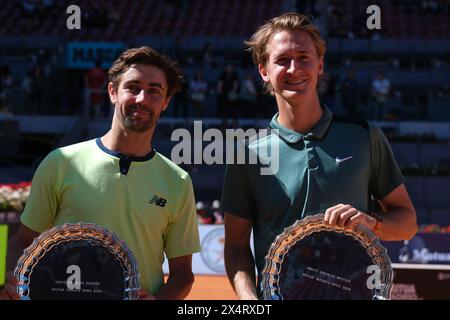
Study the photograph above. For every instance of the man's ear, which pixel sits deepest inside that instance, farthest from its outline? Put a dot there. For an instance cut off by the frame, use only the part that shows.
(112, 93)
(263, 72)
(321, 65)
(166, 103)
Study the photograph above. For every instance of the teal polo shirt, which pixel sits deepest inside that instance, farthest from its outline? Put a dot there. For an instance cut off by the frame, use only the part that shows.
(338, 161)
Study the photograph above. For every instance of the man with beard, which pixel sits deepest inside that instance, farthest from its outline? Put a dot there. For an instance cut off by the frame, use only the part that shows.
(119, 182)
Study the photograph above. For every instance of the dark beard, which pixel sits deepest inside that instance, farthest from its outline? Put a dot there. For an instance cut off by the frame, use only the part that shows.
(137, 126)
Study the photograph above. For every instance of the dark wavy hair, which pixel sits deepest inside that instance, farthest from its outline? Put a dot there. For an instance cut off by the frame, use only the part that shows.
(146, 56)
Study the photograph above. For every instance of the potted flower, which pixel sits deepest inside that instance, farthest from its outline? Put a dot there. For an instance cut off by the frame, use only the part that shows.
(12, 200)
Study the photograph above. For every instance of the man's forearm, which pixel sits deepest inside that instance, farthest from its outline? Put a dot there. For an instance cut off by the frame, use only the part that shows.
(397, 224)
(177, 287)
(15, 250)
(244, 286)
(240, 268)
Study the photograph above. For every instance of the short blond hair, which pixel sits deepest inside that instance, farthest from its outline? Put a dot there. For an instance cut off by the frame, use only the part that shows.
(258, 42)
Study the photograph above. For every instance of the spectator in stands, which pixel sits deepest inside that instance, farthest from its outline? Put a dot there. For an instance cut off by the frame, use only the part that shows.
(4, 109)
(413, 251)
(228, 93)
(204, 215)
(6, 79)
(37, 91)
(381, 88)
(6, 84)
(118, 181)
(337, 22)
(26, 87)
(208, 59)
(218, 214)
(248, 97)
(177, 52)
(198, 90)
(95, 81)
(30, 10)
(181, 100)
(327, 89)
(326, 164)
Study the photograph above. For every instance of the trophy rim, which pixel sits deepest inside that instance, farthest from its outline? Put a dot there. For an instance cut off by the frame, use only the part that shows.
(80, 231)
(312, 224)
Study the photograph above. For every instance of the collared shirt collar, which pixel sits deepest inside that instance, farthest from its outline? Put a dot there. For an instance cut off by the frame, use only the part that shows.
(122, 156)
(317, 132)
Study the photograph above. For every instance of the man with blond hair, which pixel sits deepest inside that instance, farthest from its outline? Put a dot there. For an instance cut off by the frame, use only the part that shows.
(326, 164)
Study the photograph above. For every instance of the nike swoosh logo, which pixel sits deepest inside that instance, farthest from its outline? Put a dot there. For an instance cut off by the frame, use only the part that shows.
(339, 160)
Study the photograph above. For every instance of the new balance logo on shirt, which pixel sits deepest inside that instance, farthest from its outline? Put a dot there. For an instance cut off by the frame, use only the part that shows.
(158, 201)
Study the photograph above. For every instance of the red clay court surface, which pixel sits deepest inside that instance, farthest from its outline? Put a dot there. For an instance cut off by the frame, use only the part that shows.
(211, 288)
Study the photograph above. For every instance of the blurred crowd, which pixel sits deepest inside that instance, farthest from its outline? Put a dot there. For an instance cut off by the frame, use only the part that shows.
(209, 213)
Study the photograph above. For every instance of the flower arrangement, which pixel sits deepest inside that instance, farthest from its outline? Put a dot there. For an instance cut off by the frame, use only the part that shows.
(434, 228)
(14, 196)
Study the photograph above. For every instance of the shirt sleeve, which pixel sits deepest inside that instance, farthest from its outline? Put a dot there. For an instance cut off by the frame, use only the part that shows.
(385, 173)
(182, 236)
(42, 203)
(237, 196)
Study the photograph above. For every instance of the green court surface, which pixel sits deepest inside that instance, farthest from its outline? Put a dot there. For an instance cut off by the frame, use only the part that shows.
(3, 247)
